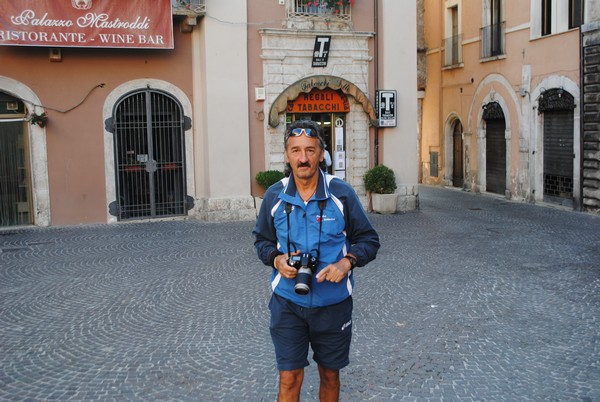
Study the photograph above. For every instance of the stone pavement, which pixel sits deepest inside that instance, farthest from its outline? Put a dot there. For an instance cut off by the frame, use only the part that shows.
(471, 298)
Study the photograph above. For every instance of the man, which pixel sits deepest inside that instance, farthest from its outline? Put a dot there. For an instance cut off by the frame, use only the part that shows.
(317, 220)
(327, 157)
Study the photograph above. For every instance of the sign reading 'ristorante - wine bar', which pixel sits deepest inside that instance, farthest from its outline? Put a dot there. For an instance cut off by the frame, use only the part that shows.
(87, 23)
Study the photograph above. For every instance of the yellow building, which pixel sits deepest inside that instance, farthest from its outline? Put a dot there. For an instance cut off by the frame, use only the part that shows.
(501, 110)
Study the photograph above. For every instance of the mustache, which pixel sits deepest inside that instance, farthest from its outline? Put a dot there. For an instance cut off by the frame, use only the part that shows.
(304, 164)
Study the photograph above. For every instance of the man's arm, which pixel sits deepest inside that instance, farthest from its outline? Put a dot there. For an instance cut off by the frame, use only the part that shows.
(265, 235)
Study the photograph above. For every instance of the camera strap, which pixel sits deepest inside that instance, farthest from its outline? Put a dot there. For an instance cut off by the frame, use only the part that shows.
(288, 211)
(322, 204)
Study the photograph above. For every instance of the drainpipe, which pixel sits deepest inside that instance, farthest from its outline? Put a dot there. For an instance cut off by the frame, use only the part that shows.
(376, 28)
(579, 202)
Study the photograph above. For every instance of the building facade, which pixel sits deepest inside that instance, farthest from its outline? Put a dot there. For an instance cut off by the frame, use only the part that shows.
(325, 61)
(127, 129)
(104, 119)
(502, 109)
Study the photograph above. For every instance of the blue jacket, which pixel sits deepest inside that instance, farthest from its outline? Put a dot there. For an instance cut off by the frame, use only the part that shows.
(345, 228)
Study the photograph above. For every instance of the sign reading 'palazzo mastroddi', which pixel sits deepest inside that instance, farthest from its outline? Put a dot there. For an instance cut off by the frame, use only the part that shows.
(87, 23)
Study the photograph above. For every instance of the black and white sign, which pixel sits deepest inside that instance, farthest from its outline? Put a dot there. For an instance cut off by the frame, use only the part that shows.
(386, 108)
(321, 52)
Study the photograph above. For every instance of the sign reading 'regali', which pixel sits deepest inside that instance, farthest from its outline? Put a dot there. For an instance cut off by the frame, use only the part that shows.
(87, 23)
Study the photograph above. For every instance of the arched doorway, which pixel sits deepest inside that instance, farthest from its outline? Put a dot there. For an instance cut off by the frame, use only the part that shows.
(557, 106)
(457, 155)
(15, 162)
(149, 149)
(495, 148)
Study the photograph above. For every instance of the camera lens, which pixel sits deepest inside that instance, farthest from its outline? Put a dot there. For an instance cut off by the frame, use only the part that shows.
(303, 280)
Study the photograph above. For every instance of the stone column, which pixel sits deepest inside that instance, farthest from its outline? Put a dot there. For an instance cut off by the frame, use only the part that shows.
(591, 106)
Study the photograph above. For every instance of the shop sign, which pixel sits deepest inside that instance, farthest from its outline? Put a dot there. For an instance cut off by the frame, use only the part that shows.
(321, 51)
(87, 23)
(386, 108)
(320, 101)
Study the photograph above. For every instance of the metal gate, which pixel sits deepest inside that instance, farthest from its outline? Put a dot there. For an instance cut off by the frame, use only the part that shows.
(495, 149)
(558, 156)
(15, 172)
(149, 156)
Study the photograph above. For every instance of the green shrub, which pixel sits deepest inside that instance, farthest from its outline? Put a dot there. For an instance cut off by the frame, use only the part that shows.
(268, 177)
(380, 180)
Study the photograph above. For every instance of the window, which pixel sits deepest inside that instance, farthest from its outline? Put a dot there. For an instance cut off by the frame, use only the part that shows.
(320, 8)
(574, 13)
(492, 33)
(554, 16)
(546, 17)
(453, 41)
(186, 7)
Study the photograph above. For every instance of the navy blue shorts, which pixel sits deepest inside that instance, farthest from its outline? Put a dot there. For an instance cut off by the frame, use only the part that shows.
(328, 330)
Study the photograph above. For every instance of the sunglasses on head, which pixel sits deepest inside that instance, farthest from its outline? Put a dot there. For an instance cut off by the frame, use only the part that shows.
(297, 132)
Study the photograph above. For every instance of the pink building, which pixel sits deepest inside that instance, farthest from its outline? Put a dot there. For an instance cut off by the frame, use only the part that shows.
(121, 111)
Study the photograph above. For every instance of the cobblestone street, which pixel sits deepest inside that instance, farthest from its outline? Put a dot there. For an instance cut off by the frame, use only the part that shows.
(471, 298)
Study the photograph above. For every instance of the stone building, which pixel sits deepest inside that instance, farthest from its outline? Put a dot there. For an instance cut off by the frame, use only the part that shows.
(363, 55)
(591, 105)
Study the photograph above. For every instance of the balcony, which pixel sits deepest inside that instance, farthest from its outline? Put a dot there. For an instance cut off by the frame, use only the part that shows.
(492, 41)
(453, 51)
(330, 10)
(189, 7)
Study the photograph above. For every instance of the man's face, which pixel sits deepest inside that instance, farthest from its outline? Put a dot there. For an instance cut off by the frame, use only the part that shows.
(304, 154)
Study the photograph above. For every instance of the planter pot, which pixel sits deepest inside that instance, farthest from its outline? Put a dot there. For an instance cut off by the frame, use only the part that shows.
(384, 203)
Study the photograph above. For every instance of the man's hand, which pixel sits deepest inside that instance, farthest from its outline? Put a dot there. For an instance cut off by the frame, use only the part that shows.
(335, 272)
(281, 264)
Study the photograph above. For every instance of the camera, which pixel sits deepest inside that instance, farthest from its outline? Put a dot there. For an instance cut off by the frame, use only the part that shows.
(305, 263)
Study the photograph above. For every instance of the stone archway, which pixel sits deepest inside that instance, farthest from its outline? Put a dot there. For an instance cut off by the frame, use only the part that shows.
(306, 85)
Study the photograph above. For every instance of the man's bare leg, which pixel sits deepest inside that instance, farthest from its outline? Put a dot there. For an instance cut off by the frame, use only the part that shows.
(290, 384)
(329, 390)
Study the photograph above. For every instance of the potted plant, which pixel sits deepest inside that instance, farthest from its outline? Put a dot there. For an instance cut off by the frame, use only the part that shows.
(266, 179)
(380, 182)
(39, 119)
